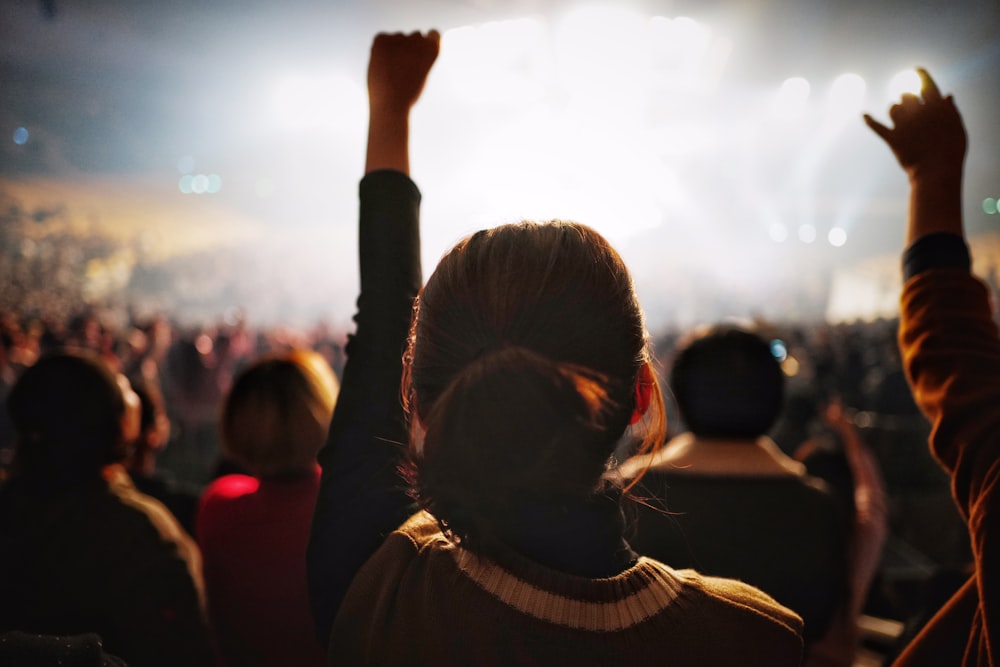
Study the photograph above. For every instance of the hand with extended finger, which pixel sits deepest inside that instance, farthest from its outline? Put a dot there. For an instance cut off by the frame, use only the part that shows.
(927, 133)
(398, 69)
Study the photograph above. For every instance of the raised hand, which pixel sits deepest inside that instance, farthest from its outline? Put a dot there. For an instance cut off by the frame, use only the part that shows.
(927, 132)
(397, 72)
(398, 68)
(929, 140)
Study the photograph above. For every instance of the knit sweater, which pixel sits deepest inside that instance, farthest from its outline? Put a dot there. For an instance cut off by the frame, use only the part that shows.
(951, 351)
(422, 600)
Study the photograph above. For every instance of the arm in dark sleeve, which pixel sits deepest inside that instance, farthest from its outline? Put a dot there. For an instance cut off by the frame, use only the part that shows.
(951, 351)
(362, 497)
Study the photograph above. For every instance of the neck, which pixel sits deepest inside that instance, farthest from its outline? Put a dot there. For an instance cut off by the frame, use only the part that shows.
(582, 538)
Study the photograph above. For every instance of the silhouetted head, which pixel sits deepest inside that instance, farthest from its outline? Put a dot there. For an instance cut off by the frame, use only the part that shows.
(67, 410)
(526, 348)
(727, 384)
(276, 415)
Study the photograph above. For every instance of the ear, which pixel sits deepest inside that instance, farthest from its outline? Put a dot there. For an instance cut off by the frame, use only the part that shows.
(643, 392)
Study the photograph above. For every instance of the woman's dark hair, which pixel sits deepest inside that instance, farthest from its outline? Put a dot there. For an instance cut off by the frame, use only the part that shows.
(727, 383)
(525, 350)
(67, 411)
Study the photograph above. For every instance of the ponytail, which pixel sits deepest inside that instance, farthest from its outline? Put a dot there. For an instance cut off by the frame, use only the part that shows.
(512, 427)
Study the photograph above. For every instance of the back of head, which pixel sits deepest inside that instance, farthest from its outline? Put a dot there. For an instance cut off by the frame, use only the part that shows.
(727, 384)
(525, 350)
(67, 411)
(276, 415)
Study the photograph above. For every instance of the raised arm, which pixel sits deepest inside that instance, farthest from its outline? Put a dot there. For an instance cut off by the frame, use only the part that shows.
(362, 497)
(951, 352)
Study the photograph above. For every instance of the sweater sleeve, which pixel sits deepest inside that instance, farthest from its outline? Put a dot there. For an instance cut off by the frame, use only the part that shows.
(362, 497)
(951, 352)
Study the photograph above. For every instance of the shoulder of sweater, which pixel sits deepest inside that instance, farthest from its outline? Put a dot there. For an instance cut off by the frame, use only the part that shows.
(736, 593)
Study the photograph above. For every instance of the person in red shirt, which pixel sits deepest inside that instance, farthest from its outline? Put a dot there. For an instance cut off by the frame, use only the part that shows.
(253, 529)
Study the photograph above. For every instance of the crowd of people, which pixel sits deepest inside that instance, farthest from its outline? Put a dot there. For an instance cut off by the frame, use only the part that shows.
(501, 466)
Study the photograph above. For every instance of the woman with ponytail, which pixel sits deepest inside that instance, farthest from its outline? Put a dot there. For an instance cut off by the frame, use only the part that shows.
(472, 520)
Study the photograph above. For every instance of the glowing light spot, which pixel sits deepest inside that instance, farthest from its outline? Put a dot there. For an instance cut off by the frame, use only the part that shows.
(185, 184)
(807, 233)
(204, 344)
(837, 237)
(791, 99)
(778, 232)
(907, 81)
(185, 164)
(214, 184)
(21, 136)
(199, 184)
(847, 95)
(790, 367)
(778, 350)
(990, 206)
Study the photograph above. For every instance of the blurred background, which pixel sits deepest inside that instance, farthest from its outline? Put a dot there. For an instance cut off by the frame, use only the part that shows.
(201, 158)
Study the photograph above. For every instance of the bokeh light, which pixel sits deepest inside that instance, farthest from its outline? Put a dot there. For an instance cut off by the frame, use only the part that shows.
(807, 233)
(790, 102)
(778, 232)
(199, 185)
(847, 94)
(837, 237)
(21, 136)
(990, 206)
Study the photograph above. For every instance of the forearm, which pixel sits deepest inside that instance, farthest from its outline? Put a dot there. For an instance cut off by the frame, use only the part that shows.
(388, 140)
(935, 203)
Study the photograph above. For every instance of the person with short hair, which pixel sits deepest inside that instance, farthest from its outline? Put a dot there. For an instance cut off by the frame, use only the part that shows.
(725, 499)
(253, 529)
(81, 550)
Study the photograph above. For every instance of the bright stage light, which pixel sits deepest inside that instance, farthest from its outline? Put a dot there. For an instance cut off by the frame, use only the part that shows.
(907, 81)
(847, 95)
(790, 102)
(837, 237)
